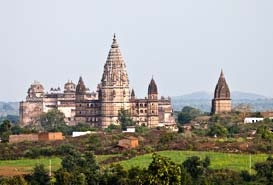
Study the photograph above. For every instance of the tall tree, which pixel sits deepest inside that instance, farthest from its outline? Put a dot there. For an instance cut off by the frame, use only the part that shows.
(53, 120)
(187, 114)
(163, 171)
(40, 176)
(125, 119)
(5, 130)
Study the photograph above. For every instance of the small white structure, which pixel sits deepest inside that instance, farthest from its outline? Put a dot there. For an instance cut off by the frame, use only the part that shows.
(253, 120)
(130, 129)
(77, 134)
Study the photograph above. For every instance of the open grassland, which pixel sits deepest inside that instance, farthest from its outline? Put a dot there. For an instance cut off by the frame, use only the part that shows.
(24, 166)
(235, 162)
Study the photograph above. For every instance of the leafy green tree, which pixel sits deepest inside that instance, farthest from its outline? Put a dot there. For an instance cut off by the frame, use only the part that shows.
(115, 175)
(187, 114)
(162, 171)
(224, 177)
(264, 133)
(265, 171)
(196, 167)
(186, 178)
(16, 180)
(217, 130)
(125, 119)
(53, 121)
(5, 130)
(82, 167)
(40, 175)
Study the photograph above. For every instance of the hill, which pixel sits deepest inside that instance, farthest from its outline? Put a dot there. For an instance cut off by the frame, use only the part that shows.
(9, 108)
(202, 101)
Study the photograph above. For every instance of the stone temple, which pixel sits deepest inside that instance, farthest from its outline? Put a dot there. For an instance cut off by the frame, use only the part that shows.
(99, 108)
(221, 102)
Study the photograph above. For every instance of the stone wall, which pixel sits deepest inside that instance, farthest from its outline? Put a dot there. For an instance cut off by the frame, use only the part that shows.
(23, 137)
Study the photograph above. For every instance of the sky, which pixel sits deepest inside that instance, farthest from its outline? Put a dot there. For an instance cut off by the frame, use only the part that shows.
(182, 44)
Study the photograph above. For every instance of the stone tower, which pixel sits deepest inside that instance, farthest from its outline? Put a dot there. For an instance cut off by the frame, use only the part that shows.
(152, 105)
(114, 88)
(80, 101)
(221, 101)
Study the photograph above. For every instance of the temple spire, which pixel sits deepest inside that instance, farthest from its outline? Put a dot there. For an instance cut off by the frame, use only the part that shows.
(222, 74)
(115, 69)
(114, 44)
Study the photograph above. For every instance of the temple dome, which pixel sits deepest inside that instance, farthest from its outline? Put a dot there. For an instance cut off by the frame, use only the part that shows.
(69, 87)
(36, 90)
(222, 89)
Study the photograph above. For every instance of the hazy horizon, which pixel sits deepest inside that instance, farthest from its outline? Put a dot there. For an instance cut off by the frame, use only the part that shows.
(182, 44)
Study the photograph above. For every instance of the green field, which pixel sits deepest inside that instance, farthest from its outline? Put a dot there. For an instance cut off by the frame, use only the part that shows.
(20, 166)
(235, 162)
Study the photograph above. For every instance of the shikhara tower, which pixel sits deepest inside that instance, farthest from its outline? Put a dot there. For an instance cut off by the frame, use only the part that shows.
(114, 91)
(100, 108)
(221, 101)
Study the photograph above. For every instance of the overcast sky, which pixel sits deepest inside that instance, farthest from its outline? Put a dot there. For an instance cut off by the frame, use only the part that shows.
(183, 44)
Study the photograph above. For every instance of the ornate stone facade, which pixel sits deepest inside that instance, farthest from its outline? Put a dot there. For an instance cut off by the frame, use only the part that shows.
(100, 108)
(221, 101)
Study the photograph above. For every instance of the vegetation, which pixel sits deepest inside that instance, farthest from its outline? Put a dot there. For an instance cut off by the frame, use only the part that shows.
(236, 162)
(5, 130)
(83, 169)
(125, 119)
(187, 114)
(178, 159)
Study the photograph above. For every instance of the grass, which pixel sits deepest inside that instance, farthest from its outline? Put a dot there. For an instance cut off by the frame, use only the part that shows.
(237, 162)
(27, 164)
(22, 166)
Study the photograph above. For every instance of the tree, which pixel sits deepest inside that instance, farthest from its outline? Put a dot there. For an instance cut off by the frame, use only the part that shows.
(187, 114)
(162, 171)
(77, 167)
(16, 180)
(265, 171)
(125, 119)
(53, 120)
(217, 130)
(264, 132)
(5, 130)
(39, 175)
(195, 166)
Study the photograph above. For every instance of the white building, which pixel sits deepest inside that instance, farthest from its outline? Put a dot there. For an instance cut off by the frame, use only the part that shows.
(253, 120)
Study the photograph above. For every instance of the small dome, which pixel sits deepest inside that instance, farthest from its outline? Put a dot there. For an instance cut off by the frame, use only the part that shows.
(69, 87)
(36, 90)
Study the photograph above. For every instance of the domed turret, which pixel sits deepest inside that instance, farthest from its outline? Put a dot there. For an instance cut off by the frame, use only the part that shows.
(36, 90)
(69, 87)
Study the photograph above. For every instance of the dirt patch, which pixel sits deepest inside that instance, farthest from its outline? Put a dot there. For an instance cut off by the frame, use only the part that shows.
(8, 171)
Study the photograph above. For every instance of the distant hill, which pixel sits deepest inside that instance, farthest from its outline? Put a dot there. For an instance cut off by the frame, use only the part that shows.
(9, 108)
(202, 101)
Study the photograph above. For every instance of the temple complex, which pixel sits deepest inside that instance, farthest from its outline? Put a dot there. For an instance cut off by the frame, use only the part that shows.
(100, 108)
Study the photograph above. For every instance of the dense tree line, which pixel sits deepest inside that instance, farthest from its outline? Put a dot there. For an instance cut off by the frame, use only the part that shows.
(83, 169)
